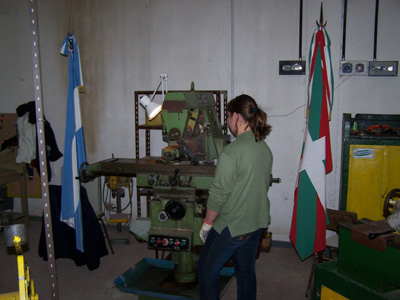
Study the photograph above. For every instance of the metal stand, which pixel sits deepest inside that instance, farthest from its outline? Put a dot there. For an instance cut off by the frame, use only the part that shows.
(42, 146)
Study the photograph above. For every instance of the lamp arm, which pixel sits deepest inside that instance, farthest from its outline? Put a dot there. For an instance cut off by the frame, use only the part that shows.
(152, 96)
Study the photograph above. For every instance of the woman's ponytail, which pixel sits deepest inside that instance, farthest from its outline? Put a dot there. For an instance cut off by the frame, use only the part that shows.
(252, 114)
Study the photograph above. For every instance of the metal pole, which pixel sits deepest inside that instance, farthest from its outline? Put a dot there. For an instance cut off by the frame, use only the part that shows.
(232, 48)
(376, 27)
(301, 30)
(344, 30)
(42, 146)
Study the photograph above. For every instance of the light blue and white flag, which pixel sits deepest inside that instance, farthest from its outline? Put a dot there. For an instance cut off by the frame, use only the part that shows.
(74, 145)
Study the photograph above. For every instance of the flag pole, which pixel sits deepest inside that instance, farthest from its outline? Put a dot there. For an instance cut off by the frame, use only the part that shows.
(321, 17)
(308, 228)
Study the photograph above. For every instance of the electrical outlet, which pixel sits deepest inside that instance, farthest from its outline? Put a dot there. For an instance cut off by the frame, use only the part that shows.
(354, 67)
(382, 68)
(292, 67)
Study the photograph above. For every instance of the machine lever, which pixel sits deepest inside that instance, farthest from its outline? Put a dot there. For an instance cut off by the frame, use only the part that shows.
(274, 180)
(174, 180)
(373, 236)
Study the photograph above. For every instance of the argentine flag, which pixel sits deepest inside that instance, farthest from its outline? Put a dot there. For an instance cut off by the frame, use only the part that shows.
(74, 145)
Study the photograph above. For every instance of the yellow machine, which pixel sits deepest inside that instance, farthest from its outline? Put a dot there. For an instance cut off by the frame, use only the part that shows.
(115, 213)
(371, 176)
(367, 265)
(371, 154)
(16, 234)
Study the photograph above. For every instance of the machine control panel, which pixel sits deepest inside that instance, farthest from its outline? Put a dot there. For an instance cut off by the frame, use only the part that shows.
(170, 239)
(169, 243)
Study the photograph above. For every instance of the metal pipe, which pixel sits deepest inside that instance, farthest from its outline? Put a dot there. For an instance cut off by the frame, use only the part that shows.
(344, 30)
(232, 48)
(152, 96)
(301, 30)
(376, 27)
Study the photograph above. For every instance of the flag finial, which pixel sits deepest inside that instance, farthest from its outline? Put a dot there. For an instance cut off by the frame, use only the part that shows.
(321, 17)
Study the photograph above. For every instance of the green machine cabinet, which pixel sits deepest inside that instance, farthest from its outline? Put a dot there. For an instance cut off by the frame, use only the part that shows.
(360, 272)
(370, 154)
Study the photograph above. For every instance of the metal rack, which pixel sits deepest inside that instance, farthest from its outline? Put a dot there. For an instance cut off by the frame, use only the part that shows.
(37, 82)
(221, 100)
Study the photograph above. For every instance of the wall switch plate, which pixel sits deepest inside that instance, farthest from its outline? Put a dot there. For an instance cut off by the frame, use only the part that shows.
(292, 67)
(354, 67)
(383, 68)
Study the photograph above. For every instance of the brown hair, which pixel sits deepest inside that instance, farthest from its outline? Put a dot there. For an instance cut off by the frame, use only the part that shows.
(256, 118)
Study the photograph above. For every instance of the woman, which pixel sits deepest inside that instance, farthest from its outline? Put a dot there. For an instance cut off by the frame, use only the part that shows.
(238, 205)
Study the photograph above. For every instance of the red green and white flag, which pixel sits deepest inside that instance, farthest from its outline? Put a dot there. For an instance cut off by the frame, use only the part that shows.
(309, 219)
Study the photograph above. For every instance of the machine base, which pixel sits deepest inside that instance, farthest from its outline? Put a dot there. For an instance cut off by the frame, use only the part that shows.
(154, 279)
(328, 275)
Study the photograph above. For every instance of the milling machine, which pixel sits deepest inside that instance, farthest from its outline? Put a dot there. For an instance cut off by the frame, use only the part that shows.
(179, 180)
(194, 136)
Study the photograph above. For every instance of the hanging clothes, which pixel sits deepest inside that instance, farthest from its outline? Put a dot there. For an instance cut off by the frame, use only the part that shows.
(27, 112)
(26, 140)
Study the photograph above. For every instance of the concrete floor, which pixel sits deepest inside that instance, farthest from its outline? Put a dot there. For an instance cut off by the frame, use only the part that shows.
(280, 273)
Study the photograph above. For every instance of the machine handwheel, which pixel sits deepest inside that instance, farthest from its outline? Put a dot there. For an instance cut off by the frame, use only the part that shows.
(390, 200)
(83, 175)
(175, 210)
(378, 129)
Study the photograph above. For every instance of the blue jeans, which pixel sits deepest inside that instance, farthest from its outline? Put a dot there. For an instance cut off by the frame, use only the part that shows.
(218, 249)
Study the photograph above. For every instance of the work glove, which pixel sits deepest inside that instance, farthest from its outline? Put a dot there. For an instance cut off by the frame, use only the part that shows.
(205, 229)
(394, 219)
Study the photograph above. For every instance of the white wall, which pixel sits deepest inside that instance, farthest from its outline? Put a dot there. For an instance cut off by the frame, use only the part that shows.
(126, 45)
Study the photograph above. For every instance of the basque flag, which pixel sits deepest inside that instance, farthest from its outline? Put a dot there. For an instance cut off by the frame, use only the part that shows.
(308, 229)
(74, 145)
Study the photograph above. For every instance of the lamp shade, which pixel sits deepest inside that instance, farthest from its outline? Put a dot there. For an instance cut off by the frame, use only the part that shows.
(152, 108)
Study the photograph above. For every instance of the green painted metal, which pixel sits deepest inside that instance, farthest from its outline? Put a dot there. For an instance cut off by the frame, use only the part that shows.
(157, 205)
(198, 182)
(186, 269)
(377, 269)
(174, 96)
(188, 108)
(130, 167)
(360, 272)
(175, 120)
(329, 275)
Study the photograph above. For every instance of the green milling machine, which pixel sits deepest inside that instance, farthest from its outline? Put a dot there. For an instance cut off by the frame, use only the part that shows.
(179, 181)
